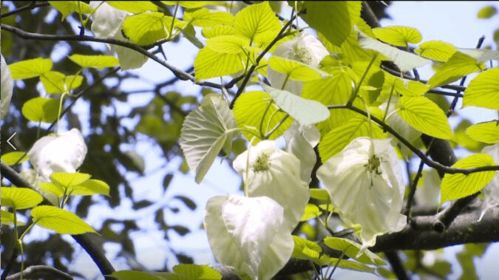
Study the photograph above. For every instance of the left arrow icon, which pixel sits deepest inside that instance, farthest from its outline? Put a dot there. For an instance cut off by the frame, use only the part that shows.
(10, 144)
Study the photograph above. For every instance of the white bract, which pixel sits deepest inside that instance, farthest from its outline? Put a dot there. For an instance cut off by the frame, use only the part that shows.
(304, 48)
(107, 22)
(301, 141)
(269, 171)
(6, 88)
(249, 234)
(491, 191)
(365, 185)
(63, 152)
(428, 194)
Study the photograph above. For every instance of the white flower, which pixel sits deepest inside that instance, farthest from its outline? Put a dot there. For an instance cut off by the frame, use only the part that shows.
(304, 48)
(6, 88)
(301, 141)
(269, 171)
(365, 184)
(428, 194)
(107, 23)
(491, 191)
(249, 234)
(64, 152)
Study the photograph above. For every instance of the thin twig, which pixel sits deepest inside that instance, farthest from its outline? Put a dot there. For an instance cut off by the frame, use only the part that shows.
(30, 6)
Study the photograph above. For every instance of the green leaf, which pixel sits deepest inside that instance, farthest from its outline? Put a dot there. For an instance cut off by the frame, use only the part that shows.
(69, 180)
(331, 90)
(304, 111)
(404, 60)
(339, 137)
(204, 18)
(335, 20)
(7, 218)
(68, 7)
(455, 186)
(59, 220)
(256, 111)
(87, 187)
(352, 250)
(457, 66)
(319, 194)
(56, 82)
(311, 211)
(191, 272)
(483, 90)
(19, 198)
(399, 36)
(436, 50)
(12, 158)
(258, 23)
(425, 116)
(147, 28)
(94, 61)
(345, 264)
(205, 132)
(485, 132)
(30, 68)
(487, 12)
(133, 275)
(305, 249)
(295, 70)
(210, 63)
(134, 7)
(40, 109)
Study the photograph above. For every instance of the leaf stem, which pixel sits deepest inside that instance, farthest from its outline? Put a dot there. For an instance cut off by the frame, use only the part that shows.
(357, 88)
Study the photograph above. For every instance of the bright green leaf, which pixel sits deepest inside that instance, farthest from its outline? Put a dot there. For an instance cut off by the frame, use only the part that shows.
(352, 249)
(134, 7)
(425, 116)
(56, 82)
(334, 19)
(12, 158)
(319, 194)
(455, 186)
(487, 12)
(7, 218)
(59, 220)
(399, 36)
(331, 90)
(345, 264)
(204, 18)
(205, 132)
(304, 111)
(191, 272)
(255, 111)
(68, 7)
(51, 188)
(147, 28)
(210, 64)
(305, 249)
(40, 109)
(295, 70)
(485, 132)
(457, 66)
(95, 61)
(483, 90)
(258, 23)
(30, 68)
(436, 50)
(69, 180)
(19, 198)
(311, 212)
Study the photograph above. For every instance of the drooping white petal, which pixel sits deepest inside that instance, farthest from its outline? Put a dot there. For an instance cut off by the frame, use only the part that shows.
(301, 141)
(249, 234)
(365, 185)
(64, 152)
(6, 88)
(269, 171)
(304, 48)
(491, 191)
(428, 194)
(128, 58)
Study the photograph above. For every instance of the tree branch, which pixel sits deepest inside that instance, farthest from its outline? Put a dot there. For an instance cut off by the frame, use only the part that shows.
(40, 272)
(30, 6)
(88, 241)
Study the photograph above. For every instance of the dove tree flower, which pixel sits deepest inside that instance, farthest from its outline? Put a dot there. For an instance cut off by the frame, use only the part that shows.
(301, 140)
(62, 152)
(6, 86)
(365, 186)
(304, 48)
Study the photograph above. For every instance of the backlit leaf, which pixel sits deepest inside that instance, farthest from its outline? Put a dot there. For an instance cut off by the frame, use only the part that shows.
(487, 12)
(7, 218)
(12, 158)
(352, 249)
(210, 63)
(69, 180)
(40, 109)
(19, 198)
(204, 18)
(134, 7)
(147, 28)
(257, 22)
(30, 68)
(455, 186)
(399, 36)
(94, 61)
(295, 70)
(59, 220)
(483, 90)
(56, 82)
(457, 66)
(424, 115)
(306, 249)
(68, 7)
(485, 132)
(436, 50)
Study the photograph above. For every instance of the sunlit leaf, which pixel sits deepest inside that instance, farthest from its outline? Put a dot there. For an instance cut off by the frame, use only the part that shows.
(40, 109)
(293, 69)
(68, 7)
(7, 218)
(95, 61)
(399, 36)
(485, 132)
(487, 12)
(457, 66)
(30, 68)
(455, 186)
(134, 7)
(483, 90)
(12, 158)
(205, 132)
(147, 28)
(19, 198)
(56, 82)
(205, 18)
(59, 220)
(352, 249)
(190, 272)
(306, 249)
(210, 63)
(257, 22)
(436, 50)
(425, 116)
(311, 212)
(319, 194)
(69, 180)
